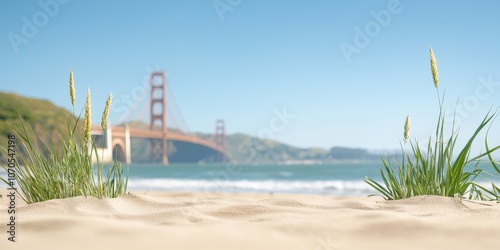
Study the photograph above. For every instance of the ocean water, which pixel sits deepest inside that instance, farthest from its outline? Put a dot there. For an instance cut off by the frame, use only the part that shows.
(342, 179)
(346, 179)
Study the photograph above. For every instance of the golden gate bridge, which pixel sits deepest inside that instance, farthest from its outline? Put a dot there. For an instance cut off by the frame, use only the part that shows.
(115, 144)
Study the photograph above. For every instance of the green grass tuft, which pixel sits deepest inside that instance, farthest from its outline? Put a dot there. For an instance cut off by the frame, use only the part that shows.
(434, 170)
(48, 171)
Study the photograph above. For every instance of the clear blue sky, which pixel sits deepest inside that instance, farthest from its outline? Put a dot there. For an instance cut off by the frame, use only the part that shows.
(243, 61)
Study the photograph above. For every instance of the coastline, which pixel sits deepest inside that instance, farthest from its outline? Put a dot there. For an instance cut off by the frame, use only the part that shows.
(190, 220)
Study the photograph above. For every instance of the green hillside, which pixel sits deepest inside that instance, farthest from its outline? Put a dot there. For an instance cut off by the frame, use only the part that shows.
(243, 148)
(46, 119)
(247, 149)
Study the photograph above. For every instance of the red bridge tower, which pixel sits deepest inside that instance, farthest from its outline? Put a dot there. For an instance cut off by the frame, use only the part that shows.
(158, 116)
(219, 138)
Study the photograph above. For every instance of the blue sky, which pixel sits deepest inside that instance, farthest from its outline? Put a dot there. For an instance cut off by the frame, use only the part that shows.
(244, 61)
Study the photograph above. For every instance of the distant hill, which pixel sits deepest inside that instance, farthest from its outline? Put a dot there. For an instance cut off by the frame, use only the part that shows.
(248, 149)
(243, 148)
(46, 119)
(352, 154)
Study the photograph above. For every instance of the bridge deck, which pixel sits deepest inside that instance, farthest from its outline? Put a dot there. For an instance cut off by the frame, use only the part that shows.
(154, 134)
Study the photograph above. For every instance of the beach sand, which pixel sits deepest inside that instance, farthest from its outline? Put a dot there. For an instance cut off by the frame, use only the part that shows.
(175, 220)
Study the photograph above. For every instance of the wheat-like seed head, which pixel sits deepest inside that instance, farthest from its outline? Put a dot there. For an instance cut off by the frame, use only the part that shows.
(72, 87)
(406, 133)
(104, 120)
(88, 118)
(434, 69)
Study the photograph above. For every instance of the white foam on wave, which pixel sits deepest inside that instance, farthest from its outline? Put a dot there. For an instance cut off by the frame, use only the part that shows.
(338, 187)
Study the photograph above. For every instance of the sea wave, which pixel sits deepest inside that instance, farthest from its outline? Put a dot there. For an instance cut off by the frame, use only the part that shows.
(335, 187)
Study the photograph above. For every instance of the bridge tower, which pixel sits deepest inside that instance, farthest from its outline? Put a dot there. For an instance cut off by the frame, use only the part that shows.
(159, 116)
(219, 138)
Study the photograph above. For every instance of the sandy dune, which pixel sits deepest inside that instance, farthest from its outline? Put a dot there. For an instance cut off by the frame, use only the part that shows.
(164, 220)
